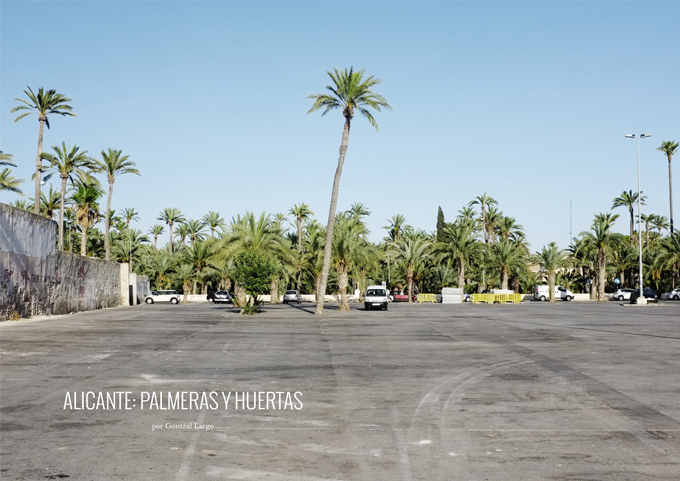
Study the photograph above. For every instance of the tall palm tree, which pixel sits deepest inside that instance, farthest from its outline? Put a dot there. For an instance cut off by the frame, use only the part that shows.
(87, 210)
(10, 183)
(200, 256)
(484, 201)
(629, 199)
(508, 228)
(155, 231)
(301, 213)
(505, 255)
(494, 218)
(213, 220)
(182, 233)
(460, 247)
(350, 91)
(130, 214)
(160, 264)
(551, 258)
(358, 210)
(195, 231)
(348, 245)
(66, 162)
(6, 159)
(42, 104)
(669, 255)
(113, 164)
(669, 149)
(660, 222)
(397, 228)
(171, 216)
(412, 252)
(185, 274)
(603, 240)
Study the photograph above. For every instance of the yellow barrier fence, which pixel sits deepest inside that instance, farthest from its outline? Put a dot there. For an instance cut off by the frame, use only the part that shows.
(488, 298)
(426, 298)
(496, 298)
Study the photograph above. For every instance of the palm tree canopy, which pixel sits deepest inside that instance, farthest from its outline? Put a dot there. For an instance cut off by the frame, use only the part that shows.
(171, 215)
(350, 92)
(551, 257)
(43, 104)
(628, 199)
(9, 183)
(67, 162)
(113, 164)
(6, 159)
(668, 148)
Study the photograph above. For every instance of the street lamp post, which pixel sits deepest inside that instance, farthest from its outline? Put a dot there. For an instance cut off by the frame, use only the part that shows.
(641, 298)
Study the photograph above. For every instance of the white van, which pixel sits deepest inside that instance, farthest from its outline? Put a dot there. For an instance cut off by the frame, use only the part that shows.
(376, 296)
(542, 293)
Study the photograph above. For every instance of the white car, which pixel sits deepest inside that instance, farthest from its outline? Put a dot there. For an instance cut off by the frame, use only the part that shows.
(674, 295)
(162, 296)
(376, 296)
(622, 294)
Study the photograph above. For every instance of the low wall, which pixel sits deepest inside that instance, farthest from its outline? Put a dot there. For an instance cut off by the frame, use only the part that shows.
(59, 283)
(36, 279)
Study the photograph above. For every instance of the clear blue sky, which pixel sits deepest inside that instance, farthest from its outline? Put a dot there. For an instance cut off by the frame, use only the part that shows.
(529, 102)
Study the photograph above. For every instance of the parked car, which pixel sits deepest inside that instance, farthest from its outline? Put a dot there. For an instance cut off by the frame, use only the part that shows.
(649, 294)
(292, 296)
(376, 296)
(162, 296)
(219, 297)
(542, 293)
(467, 297)
(674, 295)
(622, 294)
(398, 296)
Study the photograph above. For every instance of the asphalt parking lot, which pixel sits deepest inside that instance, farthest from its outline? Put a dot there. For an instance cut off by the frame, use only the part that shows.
(535, 391)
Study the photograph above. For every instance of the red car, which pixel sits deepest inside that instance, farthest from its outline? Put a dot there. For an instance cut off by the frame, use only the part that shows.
(401, 297)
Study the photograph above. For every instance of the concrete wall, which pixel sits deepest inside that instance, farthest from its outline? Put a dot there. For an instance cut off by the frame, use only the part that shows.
(35, 279)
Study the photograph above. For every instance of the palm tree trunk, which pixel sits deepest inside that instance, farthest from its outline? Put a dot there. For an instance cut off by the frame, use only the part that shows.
(107, 221)
(299, 232)
(170, 245)
(504, 278)
(155, 241)
(670, 191)
(342, 285)
(83, 241)
(632, 224)
(185, 291)
(61, 213)
(601, 265)
(274, 292)
(38, 168)
(240, 294)
(410, 286)
(321, 289)
(461, 274)
(551, 285)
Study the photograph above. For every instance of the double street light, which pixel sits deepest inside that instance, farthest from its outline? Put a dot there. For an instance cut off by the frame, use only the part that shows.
(641, 298)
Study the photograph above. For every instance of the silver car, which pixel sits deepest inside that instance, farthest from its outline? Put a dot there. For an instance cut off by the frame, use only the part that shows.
(292, 296)
(622, 294)
(674, 295)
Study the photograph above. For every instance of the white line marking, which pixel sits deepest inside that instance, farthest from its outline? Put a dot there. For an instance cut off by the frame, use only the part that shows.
(191, 449)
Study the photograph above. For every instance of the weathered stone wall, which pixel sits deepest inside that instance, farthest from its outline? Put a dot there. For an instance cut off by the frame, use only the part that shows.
(25, 233)
(35, 279)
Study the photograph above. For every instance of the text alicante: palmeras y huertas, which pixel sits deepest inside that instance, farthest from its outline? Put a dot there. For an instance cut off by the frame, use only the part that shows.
(183, 400)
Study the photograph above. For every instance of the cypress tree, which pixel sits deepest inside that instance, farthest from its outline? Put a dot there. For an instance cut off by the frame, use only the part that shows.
(440, 225)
